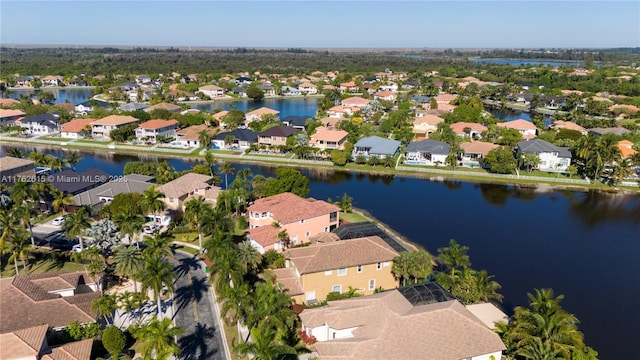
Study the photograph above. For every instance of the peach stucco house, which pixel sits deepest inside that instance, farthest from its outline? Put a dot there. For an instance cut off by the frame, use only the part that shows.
(300, 217)
(324, 139)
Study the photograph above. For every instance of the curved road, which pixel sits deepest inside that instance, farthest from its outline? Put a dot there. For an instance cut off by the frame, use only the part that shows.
(194, 311)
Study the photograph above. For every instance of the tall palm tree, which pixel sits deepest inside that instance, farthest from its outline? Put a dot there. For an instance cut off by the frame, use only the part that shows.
(454, 256)
(194, 214)
(486, 288)
(61, 200)
(156, 275)
(264, 345)
(130, 224)
(9, 226)
(23, 192)
(16, 152)
(53, 162)
(158, 245)
(225, 268)
(24, 212)
(105, 305)
(129, 263)
(151, 201)
(270, 307)
(226, 169)
(235, 303)
(38, 158)
(19, 250)
(205, 138)
(73, 158)
(209, 161)
(158, 338)
(249, 256)
(76, 223)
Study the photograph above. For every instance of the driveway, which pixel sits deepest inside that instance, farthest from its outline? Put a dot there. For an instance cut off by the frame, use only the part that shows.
(194, 311)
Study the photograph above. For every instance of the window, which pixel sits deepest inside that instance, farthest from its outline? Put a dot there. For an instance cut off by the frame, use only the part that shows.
(372, 284)
(337, 289)
(307, 234)
(359, 268)
(333, 217)
(171, 200)
(387, 263)
(302, 221)
(326, 229)
(379, 266)
(328, 272)
(342, 271)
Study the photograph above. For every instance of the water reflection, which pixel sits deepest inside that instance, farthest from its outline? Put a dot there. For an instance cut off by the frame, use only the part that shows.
(595, 208)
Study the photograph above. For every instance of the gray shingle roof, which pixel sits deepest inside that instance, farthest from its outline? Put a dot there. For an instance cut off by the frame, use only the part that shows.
(281, 131)
(134, 183)
(240, 134)
(378, 145)
(537, 146)
(429, 146)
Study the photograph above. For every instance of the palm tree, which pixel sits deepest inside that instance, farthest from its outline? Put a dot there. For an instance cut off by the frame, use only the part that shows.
(38, 158)
(210, 161)
(158, 245)
(156, 275)
(226, 168)
(235, 303)
(205, 138)
(270, 307)
(225, 267)
(249, 256)
(401, 267)
(129, 263)
(9, 226)
(158, 338)
(23, 192)
(454, 256)
(130, 224)
(105, 305)
(24, 212)
(61, 200)
(53, 162)
(19, 250)
(15, 152)
(73, 159)
(76, 223)
(486, 288)
(194, 214)
(263, 345)
(151, 201)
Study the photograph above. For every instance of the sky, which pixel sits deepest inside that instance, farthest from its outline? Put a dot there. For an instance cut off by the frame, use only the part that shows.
(323, 24)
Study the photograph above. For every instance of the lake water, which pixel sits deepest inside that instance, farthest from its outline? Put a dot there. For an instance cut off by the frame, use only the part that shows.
(584, 245)
(74, 96)
(287, 107)
(518, 62)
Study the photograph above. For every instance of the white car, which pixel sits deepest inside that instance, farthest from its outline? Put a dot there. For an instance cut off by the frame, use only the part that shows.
(58, 221)
(151, 229)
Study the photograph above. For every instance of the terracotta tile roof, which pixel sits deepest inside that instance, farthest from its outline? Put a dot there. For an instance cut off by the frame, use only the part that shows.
(8, 162)
(185, 184)
(477, 147)
(446, 107)
(262, 111)
(76, 125)
(11, 113)
(518, 124)
(287, 207)
(163, 106)
(219, 114)
(289, 281)
(385, 93)
(322, 133)
(459, 127)
(346, 253)
(560, 124)
(445, 98)
(7, 102)
(324, 237)
(348, 84)
(66, 106)
(389, 327)
(25, 301)
(78, 350)
(631, 108)
(625, 148)
(158, 124)
(116, 120)
(23, 343)
(193, 132)
(428, 119)
(264, 235)
(355, 101)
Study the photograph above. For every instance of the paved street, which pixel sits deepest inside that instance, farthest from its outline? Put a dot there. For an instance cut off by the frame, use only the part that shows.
(194, 311)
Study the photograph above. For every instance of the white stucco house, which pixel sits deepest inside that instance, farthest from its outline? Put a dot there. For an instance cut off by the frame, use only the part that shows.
(427, 152)
(552, 158)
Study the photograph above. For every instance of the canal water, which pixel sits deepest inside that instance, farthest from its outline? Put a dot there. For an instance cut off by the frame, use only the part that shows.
(585, 245)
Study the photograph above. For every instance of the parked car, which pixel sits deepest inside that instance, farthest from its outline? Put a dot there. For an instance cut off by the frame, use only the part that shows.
(58, 221)
(61, 244)
(151, 229)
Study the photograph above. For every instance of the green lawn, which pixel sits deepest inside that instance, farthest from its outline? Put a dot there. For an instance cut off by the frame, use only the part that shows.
(232, 335)
(352, 217)
(40, 266)
(186, 249)
(54, 138)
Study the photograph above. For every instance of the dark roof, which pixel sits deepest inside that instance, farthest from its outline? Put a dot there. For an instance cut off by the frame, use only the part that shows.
(429, 146)
(282, 131)
(615, 130)
(423, 294)
(537, 146)
(42, 119)
(243, 78)
(240, 134)
(73, 182)
(378, 145)
(133, 107)
(421, 99)
(294, 120)
(366, 229)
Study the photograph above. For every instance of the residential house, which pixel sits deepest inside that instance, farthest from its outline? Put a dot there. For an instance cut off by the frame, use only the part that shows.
(355, 102)
(330, 123)
(560, 124)
(132, 106)
(25, 81)
(152, 129)
(12, 168)
(268, 90)
(238, 139)
(54, 298)
(298, 122)
(41, 124)
(243, 80)
(190, 137)
(68, 107)
(524, 127)
(326, 139)
(7, 102)
(552, 158)
(101, 128)
(172, 108)
(312, 272)
(257, 114)
(276, 136)
(218, 117)
(301, 218)
(177, 192)
(76, 128)
(417, 322)
(104, 194)
(31, 344)
(143, 79)
(632, 109)
(73, 182)
(612, 130)
(212, 91)
(77, 82)
(375, 146)
(473, 130)
(52, 80)
(290, 91)
(339, 111)
(124, 87)
(626, 148)
(308, 88)
(240, 91)
(426, 124)
(445, 98)
(349, 87)
(393, 87)
(427, 152)
(83, 109)
(9, 116)
(385, 95)
(473, 152)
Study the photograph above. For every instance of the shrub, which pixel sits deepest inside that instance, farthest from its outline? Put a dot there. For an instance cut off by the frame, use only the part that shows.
(114, 340)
